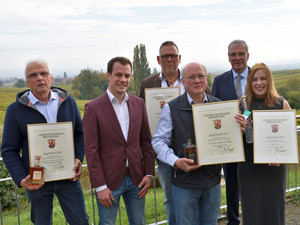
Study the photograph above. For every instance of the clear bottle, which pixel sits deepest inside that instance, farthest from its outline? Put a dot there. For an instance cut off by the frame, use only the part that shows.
(190, 150)
(36, 172)
(248, 129)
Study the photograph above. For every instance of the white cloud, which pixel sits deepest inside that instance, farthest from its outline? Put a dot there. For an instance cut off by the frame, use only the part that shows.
(73, 35)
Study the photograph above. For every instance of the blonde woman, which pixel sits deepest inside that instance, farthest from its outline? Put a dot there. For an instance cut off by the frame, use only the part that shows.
(262, 186)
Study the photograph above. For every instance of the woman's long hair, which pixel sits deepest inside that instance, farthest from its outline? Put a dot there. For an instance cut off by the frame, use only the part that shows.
(271, 97)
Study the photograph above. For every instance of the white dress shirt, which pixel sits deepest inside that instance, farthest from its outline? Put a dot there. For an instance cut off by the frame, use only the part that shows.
(122, 113)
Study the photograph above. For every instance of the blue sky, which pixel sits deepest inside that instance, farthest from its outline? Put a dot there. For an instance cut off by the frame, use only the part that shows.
(74, 35)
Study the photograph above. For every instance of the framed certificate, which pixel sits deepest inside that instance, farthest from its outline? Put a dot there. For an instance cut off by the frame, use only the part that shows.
(155, 99)
(218, 135)
(54, 143)
(275, 136)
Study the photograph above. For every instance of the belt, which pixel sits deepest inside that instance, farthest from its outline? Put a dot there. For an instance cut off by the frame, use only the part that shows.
(126, 172)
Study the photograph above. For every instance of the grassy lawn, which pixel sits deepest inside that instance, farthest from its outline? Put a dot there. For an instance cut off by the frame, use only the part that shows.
(10, 215)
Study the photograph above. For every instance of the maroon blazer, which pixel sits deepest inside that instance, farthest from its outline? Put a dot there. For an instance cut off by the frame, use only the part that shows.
(106, 148)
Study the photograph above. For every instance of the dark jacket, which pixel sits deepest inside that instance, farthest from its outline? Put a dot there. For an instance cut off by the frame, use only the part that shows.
(21, 113)
(182, 117)
(223, 86)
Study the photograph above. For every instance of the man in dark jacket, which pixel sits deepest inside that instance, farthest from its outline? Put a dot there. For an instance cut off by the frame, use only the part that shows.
(43, 104)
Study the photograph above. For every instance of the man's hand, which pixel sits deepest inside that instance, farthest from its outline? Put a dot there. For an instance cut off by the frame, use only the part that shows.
(25, 183)
(146, 182)
(105, 197)
(77, 168)
(186, 164)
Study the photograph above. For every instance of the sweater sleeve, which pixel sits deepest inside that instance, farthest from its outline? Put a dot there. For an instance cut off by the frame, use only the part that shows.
(12, 140)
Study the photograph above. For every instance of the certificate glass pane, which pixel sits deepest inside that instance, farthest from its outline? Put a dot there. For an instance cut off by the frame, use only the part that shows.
(155, 99)
(275, 136)
(54, 143)
(218, 134)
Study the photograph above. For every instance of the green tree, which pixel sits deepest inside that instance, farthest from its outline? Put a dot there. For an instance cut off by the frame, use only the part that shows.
(1, 83)
(20, 83)
(209, 82)
(89, 84)
(154, 71)
(140, 67)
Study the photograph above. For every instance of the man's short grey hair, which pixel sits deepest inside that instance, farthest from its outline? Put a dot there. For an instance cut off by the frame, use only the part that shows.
(235, 43)
(182, 72)
(35, 61)
(168, 43)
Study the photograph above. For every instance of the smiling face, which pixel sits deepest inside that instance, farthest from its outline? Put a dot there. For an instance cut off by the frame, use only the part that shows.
(260, 84)
(38, 79)
(195, 80)
(169, 60)
(238, 57)
(119, 79)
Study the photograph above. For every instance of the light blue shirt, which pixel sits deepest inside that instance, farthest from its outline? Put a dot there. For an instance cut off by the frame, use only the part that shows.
(244, 75)
(49, 109)
(162, 137)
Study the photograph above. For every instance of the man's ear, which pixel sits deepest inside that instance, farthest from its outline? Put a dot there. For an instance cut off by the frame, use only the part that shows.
(158, 59)
(108, 76)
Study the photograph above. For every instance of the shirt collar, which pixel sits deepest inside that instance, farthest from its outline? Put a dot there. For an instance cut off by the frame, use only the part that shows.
(113, 98)
(191, 101)
(161, 76)
(34, 100)
(244, 74)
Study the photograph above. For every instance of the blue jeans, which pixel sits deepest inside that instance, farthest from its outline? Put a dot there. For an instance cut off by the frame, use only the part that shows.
(135, 206)
(196, 206)
(164, 172)
(70, 197)
(232, 193)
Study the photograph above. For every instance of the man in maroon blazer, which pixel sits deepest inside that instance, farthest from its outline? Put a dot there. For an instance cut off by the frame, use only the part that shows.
(118, 147)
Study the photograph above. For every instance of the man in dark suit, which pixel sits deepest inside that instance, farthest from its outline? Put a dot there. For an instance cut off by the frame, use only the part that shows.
(229, 86)
(169, 59)
(118, 147)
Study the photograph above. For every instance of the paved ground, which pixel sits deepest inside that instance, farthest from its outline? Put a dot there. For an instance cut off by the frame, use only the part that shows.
(292, 212)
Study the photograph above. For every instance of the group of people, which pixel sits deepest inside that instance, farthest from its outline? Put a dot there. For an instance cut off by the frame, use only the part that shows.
(120, 151)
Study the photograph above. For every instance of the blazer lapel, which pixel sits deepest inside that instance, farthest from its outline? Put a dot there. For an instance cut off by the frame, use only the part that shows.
(133, 115)
(112, 117)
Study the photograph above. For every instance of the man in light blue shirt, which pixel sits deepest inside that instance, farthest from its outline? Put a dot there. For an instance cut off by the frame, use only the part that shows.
(196, 190)
(43, 104)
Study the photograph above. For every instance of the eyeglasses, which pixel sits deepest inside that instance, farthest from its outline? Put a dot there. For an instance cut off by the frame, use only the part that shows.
(193, 78)
(35, 75)
(166, 57)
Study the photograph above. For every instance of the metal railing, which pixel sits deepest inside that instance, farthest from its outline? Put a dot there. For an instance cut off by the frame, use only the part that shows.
(9, 179)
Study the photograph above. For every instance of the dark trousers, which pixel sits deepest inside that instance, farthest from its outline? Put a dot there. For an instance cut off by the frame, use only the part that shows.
(232, 193)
